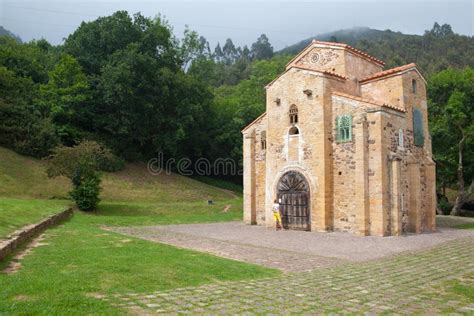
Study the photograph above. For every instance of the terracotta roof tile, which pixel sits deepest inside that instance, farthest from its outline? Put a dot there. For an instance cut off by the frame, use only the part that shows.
(387, 72)
(329, 73)
(350, 96)
(326, 72)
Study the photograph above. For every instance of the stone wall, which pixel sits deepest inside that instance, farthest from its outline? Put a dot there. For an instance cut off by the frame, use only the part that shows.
(19, 237)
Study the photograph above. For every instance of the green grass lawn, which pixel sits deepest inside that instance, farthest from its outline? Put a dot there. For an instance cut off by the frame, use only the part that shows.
(465, 226)
(78, 260)
(15, 213)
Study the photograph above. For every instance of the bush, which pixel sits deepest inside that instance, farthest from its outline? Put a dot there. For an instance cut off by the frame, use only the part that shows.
(445, 206)
(86, 193)
(110, 163)
(81, 164)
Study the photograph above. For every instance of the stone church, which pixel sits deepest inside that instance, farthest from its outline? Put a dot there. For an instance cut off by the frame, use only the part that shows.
(343, 145)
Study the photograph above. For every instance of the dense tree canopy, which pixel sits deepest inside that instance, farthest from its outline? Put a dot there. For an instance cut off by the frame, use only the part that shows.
(127, 82)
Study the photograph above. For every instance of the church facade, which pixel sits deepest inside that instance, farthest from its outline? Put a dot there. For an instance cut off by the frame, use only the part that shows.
(343, 145)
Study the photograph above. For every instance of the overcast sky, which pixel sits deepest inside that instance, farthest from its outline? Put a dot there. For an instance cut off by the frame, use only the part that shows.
(285, 23)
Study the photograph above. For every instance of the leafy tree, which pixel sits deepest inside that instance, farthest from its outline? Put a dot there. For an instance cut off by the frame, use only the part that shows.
(229, 52)
(262, 49)
(218, 54)
(192, 47)
(93, 42)
(147, 108)
(81, 165)
(451, 95)
(22, 125)
(64, 98)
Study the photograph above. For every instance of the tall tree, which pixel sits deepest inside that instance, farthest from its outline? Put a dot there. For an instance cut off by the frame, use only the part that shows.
(230, 52)
(65, 97)
(451, 95)
(262, 49)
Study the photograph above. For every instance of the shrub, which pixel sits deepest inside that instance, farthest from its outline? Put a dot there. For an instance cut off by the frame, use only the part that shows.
(445, 206)
(81, 164)
(86, 193)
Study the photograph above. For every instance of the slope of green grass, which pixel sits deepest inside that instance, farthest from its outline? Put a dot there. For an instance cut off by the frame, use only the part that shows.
(15, 213)
(24, 177)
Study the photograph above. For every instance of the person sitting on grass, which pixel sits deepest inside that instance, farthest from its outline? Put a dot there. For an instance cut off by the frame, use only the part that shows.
(276, 214)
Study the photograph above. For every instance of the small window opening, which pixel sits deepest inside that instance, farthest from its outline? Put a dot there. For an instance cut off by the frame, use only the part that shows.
(413, 85)
(293, 114)
(400, 138)
(344, 128)
(294, 131)
(263, 140)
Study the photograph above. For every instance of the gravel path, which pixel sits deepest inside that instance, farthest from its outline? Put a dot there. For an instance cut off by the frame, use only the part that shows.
(288, 250)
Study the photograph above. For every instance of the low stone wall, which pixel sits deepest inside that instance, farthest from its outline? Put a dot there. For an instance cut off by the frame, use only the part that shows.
(26, 233)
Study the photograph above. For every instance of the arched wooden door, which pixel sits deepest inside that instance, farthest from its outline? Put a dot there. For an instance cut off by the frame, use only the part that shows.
(293, 193)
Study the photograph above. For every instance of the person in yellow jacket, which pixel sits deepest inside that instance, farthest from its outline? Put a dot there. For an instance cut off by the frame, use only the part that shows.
(276, 214)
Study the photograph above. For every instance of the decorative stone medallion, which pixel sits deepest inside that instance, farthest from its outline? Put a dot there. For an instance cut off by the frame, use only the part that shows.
(315, 58)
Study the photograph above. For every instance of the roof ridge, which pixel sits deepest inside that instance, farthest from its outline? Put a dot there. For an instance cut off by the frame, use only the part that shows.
(327, 72)
(388, 72)
(254, 121)
(357, 98)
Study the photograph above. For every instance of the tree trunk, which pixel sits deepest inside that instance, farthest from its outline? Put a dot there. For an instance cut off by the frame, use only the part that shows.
(456, 211)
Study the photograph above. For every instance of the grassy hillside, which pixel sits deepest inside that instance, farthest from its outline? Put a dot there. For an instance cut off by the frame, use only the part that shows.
(129, 197)
(432, 51)
(25, 177)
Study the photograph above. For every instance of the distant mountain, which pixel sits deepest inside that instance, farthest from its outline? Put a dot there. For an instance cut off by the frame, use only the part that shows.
(4, 31)
(437, 49)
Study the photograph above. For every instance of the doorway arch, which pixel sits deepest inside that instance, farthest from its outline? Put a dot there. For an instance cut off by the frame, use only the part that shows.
(294, 195)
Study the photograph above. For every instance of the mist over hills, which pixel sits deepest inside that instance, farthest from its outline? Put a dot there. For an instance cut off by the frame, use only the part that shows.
(436, 49)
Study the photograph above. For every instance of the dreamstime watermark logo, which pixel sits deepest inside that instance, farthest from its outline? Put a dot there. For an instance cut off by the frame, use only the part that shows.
(199, 167)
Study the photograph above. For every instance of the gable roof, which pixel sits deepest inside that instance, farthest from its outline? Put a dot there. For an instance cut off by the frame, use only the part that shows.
(254, 121)
(382, 104)
(343, 46)
(390, 72)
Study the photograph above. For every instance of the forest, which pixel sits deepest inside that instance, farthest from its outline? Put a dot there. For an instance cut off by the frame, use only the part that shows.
(128, 82)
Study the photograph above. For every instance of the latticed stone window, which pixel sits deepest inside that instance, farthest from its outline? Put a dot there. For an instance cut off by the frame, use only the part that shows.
(293, 114)
(263, 140)
(413, 85)
(418, 132)
(344, 128)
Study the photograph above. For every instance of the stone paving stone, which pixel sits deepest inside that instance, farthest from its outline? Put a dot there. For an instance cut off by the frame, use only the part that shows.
(405, 284)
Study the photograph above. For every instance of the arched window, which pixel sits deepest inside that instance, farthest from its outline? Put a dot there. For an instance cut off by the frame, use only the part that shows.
(344, 128)
(263, 140)
(294, 130)
(400, 138)
(293, 114)
(413, 85)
